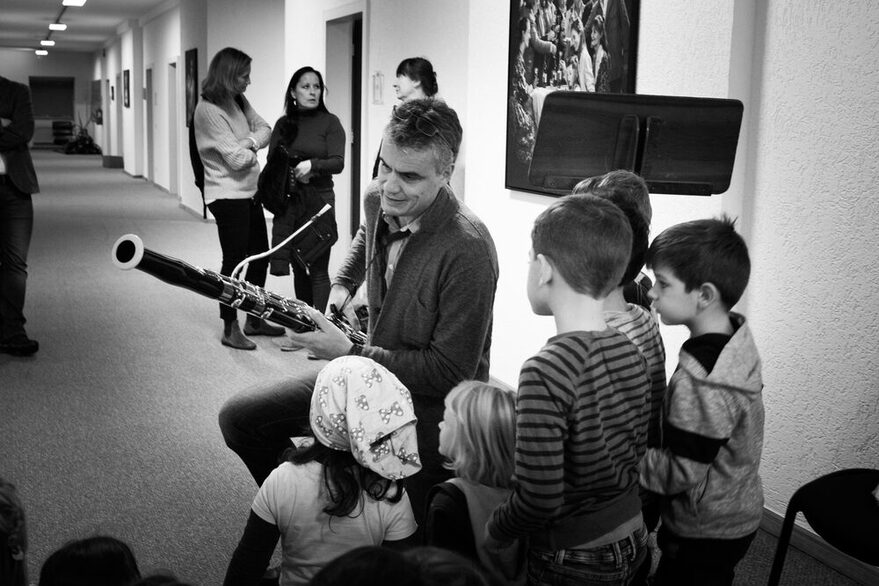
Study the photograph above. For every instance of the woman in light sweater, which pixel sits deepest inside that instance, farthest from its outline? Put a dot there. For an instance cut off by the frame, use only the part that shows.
(228, 133)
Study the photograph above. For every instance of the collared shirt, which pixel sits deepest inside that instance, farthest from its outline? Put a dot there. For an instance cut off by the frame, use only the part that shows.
(397, 244)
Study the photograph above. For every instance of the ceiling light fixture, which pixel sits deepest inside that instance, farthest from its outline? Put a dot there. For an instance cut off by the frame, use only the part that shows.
(73, 2)
(41, 52)
(47, 43)
(57, 26)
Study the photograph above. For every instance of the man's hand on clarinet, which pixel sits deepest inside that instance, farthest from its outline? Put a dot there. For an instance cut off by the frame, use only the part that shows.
(326, 342)
(344, 303)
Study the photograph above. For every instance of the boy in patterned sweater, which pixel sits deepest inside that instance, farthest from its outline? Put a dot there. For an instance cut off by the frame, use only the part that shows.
(707, 467)
(581, 411)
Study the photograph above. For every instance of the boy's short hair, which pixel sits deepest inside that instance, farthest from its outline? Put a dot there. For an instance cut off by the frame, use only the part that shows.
(587, 240)
(637, 221)
(485, 433)
(705, 251)
(627, 182)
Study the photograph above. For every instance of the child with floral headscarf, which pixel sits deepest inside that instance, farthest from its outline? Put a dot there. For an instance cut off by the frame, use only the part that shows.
(344, 490)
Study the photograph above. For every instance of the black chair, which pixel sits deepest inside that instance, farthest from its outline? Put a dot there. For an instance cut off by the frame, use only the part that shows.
(842, 509)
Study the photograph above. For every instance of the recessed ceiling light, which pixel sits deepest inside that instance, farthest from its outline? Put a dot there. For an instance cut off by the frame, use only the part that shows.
(47, 43)
(73, 2)
(41, 52)
(57, 26)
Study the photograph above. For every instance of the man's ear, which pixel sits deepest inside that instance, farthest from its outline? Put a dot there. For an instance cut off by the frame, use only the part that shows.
(447, 174)
(708, 295)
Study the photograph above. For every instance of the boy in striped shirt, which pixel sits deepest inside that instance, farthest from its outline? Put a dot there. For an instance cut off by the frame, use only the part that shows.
(581, 411)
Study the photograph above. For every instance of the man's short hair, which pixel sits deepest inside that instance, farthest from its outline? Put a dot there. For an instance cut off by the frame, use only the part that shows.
(426, 123)
(640, 227)
(705, 251)
(587, 240)
(621, 180)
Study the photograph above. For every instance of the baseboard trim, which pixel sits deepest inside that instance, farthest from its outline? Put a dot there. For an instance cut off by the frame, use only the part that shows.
(112, 162)
(812, 545)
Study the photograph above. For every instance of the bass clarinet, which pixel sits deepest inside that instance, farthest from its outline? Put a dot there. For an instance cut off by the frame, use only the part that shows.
(129, 253)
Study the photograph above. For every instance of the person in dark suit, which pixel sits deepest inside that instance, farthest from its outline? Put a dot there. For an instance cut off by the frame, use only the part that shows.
(18, 181)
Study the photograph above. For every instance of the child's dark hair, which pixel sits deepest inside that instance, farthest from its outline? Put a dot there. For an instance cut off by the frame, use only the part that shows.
(94, 561)
(621, 180)
(704, 251)
(345, 479)
(587, 240)
(639, 225)
(419, 69)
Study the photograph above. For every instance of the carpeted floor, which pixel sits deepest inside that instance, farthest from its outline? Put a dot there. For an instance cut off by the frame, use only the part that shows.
(111, 428)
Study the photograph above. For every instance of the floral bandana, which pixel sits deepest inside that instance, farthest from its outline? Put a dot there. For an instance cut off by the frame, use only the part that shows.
(359, 406)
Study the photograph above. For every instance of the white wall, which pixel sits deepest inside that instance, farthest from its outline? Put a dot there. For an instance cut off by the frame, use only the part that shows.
(193, 35)
(161, 46)
(437, 31)
(814, 292)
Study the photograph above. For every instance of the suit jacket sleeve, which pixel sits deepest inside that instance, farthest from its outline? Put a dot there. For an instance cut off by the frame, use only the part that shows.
(21, 128)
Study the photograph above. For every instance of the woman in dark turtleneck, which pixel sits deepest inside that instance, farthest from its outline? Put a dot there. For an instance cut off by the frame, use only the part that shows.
(315, 142)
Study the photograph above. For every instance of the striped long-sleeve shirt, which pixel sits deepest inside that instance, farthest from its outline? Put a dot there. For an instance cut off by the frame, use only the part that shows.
(581, 415)
(641, 328)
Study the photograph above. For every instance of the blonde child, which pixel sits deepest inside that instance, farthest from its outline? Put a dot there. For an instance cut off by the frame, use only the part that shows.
(344, 490)
(477, 439)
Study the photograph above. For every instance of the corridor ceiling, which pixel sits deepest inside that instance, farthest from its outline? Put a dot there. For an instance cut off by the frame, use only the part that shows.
(24, 23)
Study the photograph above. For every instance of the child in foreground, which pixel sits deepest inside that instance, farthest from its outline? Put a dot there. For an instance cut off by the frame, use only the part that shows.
(581, 410)
(707, 468)
(343, 491)
(477, 438)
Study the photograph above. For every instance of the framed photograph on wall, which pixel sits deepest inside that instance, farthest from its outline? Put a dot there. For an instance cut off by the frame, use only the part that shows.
(191, 64)
(574, 45)
(126, 88)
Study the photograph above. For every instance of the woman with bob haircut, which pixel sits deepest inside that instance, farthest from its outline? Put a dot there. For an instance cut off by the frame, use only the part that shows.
(478, 440)
(228, 133)
(416, 80)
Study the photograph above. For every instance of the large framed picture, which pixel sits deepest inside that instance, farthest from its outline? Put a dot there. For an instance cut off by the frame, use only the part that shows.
(574, 45)
(191, 64)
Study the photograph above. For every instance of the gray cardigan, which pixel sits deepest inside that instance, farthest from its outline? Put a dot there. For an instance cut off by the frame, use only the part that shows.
(433, 328)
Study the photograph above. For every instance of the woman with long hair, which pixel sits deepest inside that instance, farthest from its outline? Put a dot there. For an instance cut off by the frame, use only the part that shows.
(315, 143)
(228, 133)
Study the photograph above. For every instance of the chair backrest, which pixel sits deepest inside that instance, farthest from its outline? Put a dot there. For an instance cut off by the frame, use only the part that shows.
(842, 509)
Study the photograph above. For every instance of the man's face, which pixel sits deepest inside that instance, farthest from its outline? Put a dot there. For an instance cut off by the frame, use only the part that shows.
(675, 305)
(409, 180)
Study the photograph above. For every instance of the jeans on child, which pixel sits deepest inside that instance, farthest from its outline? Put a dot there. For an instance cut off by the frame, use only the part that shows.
(606, 565)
